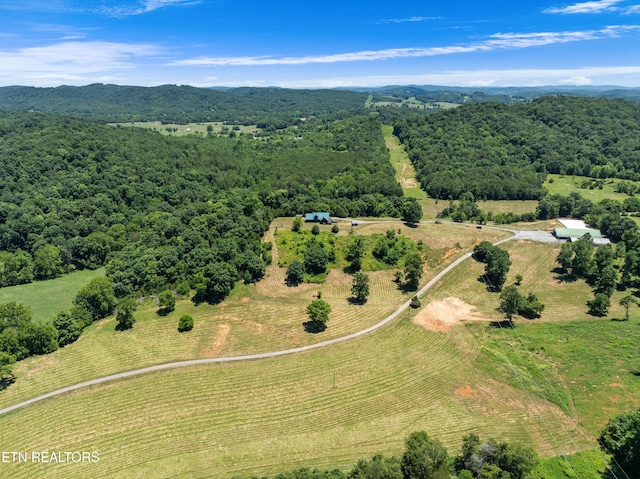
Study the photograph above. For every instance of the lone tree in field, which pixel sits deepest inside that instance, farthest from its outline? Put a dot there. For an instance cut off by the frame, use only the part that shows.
(599, 305)
(185, 323)
(315, 258)
(360, 287)
(626, 302)
(124, 316)
(318, 312)
(511, 302)
(497, 267)
(413, 269)
(411, 212)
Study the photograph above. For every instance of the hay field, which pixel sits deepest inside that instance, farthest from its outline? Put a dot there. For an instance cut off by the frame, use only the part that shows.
(267, 316)
(323, 408)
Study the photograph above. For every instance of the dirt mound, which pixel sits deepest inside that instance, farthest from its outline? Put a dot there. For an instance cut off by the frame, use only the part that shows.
(442, 315)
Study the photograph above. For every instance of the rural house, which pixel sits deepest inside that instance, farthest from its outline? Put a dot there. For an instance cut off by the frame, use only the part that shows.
(322, 218)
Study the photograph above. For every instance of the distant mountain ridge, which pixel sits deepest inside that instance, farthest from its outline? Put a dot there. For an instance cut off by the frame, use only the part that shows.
(269, 107)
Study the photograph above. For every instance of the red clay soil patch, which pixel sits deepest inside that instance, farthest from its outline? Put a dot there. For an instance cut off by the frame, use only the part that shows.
(442, 315)
(616, 385)
(465, 391)
(449, 253)
(245, 299)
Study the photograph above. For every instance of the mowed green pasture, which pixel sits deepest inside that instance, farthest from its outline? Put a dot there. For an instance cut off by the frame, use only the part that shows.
(47, 298)
(267, 316)
(323, 408)
(176, 129)
(405, 172)
(581, 363)
(563, 300)
(565, 184)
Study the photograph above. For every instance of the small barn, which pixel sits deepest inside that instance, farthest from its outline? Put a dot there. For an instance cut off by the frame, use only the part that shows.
(323, 218)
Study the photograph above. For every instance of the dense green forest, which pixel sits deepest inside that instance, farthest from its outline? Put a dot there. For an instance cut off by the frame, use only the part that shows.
(181, 104)
(500, 151)
(160, 210)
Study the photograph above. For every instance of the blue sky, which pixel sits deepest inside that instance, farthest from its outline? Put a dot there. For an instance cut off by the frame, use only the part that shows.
(319, 44)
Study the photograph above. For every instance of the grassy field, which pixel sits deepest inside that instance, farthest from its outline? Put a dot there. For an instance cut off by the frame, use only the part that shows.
(554, 356)
(540, 383)
(405, 172)
(324, 408)
(175, 129)
(267, 316)
(564, 300)
(563, 185)
(47, 298)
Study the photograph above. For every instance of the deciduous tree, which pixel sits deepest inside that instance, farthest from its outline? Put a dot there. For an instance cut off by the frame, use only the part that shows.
(97, 297)
(413, 264)
(295, 273)
(124, 316)
(360, 287)
(167, 301)
(424, 458)
(621, 439)
(318, 312)
(355, 252)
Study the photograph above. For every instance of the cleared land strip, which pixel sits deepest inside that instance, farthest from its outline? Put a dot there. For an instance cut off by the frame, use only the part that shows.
(193, 362)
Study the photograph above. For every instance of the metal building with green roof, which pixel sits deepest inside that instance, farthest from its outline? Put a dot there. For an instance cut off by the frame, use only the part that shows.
(572, 234)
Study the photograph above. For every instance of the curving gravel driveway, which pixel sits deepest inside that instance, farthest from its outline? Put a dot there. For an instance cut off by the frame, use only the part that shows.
(529, 235)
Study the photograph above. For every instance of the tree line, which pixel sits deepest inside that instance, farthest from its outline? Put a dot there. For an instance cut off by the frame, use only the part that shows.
(425, 457)
(499, 151)
(164, 212)
(267, 107)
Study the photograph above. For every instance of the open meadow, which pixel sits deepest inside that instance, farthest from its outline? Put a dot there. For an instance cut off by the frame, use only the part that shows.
(267, 316)
(47, 298)
(202, 128)
(552, 356)
(440, 368)
(586, 187)
(323, 408)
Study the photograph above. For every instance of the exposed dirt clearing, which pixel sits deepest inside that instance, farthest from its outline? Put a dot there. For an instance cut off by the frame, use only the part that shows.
(219, 342)
(442, 315)
(465, 391)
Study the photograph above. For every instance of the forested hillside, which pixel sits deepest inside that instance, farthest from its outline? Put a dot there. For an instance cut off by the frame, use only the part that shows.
(181, 104)
(504, 152)
(160, 211)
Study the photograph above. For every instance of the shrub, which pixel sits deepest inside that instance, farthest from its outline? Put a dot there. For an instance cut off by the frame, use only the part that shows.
(185, 323)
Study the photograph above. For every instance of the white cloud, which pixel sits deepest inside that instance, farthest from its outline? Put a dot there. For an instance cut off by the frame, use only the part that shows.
(406, 20)
(58, 63)
(615, 75)
(632, 9)
(493, 42)
(576, 80)
(110, 8)
(597, 6)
